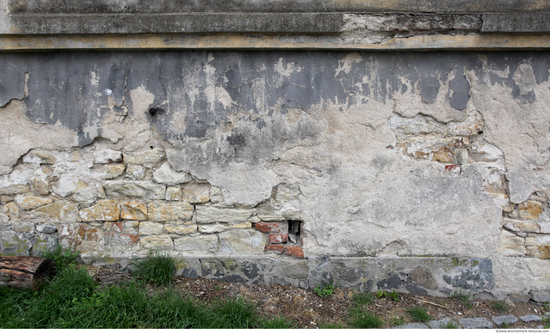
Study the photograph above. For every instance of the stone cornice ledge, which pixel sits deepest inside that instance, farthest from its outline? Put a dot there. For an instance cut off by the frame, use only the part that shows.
(41, 25)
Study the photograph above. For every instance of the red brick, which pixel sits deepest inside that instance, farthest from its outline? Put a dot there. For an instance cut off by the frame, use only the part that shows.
(274, 248)
(295, 251)
(274, 227)
(278, 238)
(451, 167)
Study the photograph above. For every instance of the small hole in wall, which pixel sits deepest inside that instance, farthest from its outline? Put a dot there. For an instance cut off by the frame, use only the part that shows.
(154, 111)
(479, 132)
(151, 147)
(294, 232)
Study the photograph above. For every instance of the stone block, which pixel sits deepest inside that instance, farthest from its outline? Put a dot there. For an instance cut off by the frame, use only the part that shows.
(519, 297)
(137, 189)
(136, 211)
(147, 157)
(4, 218)
(540, 297)
(161, 242)
(11, 210)
(422, 276)
(110, 171)
(104, 210)
(43, 244)
(169, 211)
(272, 227)
(200, 244)
(211, 214)
(409, 326)
(58, 211)
(505, 320)
(530, 318)
(211, 228)
(120, 244)
(40, 156)
(245, 241)
(279, 249)
(30, 202)
(442, 323)
(196, 193)
(278, 238)
(216, 194)
(444, 155)
(180, 229)
(539, 251)
(150, 228)
(135, 172)
(268, 213)
(41, 181)
(475, 323)
(416, 125)
(519, 225)
(294, 251)
(12, 244)
(24, 227)
(245, 225)
(46, 228)
(511, 245)
(166, 175)
(471, 126)
(130, 227)
(107, 156)
(530, 209)
(173, 193)
(14, 189)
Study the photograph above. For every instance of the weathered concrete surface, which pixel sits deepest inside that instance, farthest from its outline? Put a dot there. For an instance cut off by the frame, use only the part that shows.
(368, 156)
(173, 6)
(516, 22)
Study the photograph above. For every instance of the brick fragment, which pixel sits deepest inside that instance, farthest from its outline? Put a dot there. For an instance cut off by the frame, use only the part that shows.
(272, 227)
(295, 251)
(278, 238)
(274, 248)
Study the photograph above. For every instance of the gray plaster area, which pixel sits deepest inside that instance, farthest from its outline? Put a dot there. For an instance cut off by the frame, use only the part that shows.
(368, 139)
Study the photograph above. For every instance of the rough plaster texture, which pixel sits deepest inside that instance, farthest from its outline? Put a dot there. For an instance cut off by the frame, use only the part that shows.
(380, 156)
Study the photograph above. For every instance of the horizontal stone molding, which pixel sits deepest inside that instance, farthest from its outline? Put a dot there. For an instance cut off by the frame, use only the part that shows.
(272, 42)
(516, 22)
(176, 23)
(280, 6)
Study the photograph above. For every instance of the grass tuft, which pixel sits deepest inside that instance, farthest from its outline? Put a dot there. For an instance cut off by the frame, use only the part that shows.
(500, 306)
(360, 299)
(157, 268)
(277, 322)
(365, 320)
(450, 325)
(62, 258)
(419, 314)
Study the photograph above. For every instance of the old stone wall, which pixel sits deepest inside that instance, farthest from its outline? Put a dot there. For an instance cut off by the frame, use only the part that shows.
(289, 142)
(419, 172)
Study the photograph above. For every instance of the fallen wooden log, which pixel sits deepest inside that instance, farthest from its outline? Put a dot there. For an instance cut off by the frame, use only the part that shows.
(24, 272)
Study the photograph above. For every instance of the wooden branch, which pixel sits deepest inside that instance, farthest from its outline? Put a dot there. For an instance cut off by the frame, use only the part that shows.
(422, 301)
(24, 272)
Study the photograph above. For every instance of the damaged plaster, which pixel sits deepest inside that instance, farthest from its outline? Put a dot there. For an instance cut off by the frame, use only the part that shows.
(385, 154)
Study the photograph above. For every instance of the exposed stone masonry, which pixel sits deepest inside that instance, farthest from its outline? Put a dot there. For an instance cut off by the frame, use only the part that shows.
(105, 203)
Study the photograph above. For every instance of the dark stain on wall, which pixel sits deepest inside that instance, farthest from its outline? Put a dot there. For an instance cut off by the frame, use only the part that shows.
(72, 88)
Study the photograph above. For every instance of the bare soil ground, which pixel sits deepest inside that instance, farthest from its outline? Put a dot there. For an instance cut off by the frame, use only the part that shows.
(308, 310)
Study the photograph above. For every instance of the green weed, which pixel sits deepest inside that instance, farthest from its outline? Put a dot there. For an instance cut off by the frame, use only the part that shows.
(397, 321)
(500, 306)
(277, 322)
(546, 321)
(365, 320)
(464, 297)
(62, 258)
(419, 314)
(331, 325)
(360, 299)
(394, 295)
(235, 313)
(547, 306)
(157, 268)
(324, 291)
